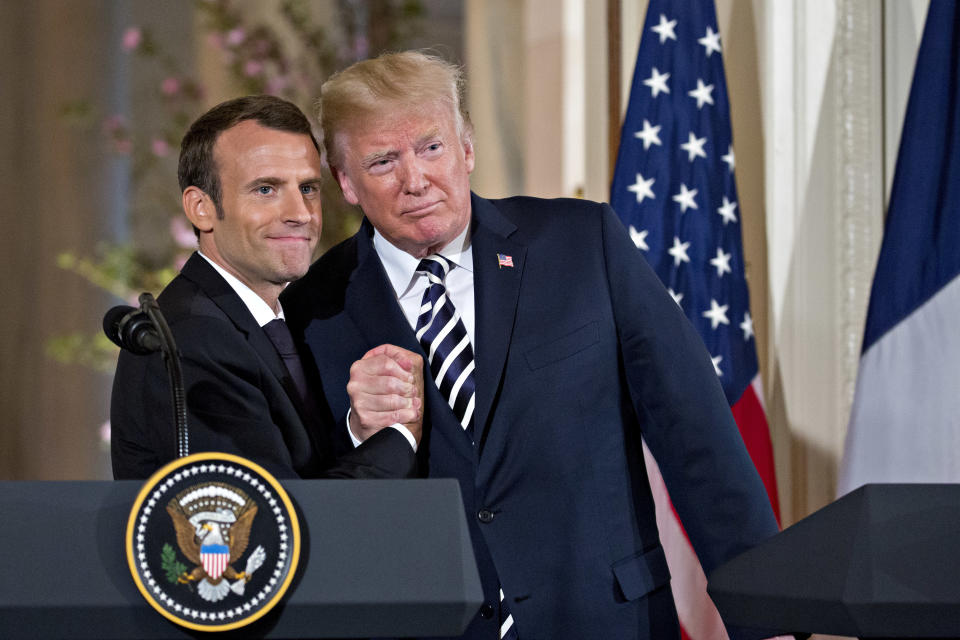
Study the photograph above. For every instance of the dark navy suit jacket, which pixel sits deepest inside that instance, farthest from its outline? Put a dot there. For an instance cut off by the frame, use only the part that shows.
(579, 351)
(240, 398)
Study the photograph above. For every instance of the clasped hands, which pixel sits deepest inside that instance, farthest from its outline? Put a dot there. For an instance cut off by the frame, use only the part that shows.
(386, 388)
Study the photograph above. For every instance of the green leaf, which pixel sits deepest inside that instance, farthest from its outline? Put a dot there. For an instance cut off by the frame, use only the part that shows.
(169, 563)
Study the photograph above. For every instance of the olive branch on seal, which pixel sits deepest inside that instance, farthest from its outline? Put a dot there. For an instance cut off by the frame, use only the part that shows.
(169, 563)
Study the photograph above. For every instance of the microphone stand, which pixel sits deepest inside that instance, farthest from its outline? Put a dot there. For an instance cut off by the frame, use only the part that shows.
(171, 360)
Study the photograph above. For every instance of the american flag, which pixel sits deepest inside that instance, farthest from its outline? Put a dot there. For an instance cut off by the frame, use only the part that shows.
(504, 260)
(675, 190)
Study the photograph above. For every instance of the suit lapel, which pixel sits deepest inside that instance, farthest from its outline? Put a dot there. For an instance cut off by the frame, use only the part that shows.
(496, 291)
(216, 288)
(371, 302)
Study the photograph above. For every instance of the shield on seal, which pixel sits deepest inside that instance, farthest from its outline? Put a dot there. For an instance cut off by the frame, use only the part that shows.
(215, 558)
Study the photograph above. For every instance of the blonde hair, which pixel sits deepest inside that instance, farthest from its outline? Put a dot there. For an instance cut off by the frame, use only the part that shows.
(404, 81)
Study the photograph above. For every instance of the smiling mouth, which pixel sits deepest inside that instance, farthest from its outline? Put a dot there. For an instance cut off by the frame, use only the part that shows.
(289, 238)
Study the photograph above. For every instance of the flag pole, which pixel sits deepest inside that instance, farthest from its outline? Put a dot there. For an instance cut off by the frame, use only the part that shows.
(613, 84)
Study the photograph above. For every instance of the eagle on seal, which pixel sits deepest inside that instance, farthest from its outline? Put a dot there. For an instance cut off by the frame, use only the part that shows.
(213, 532)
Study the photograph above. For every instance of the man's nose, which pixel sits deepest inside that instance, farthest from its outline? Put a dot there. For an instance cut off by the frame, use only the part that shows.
(300, 209)
(415, 180)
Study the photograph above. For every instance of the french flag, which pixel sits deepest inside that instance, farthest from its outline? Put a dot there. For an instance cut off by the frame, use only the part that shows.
(905, 423)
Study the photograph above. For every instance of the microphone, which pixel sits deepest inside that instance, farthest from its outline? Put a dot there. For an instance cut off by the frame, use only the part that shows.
(131, 329)
(143, 331)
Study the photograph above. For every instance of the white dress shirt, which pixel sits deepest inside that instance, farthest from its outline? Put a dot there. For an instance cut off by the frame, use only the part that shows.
(261, 311)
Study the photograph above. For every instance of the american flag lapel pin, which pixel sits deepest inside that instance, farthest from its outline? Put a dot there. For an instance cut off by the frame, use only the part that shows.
(503, 260)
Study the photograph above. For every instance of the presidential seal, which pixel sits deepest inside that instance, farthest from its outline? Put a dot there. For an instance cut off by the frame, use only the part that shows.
(212, 541)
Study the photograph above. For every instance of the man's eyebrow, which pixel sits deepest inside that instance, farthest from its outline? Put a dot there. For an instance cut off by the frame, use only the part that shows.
(275, 182)
(259, 180)
(376, 156)
(432, 133)
(372, 158)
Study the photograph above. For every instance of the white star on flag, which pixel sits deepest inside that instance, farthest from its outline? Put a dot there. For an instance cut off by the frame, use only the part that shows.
(726, 211)
(722, 262)
(694, 147)
(717, 314)
(685, 198)
(747, 326)
(649, 135)
(711, 41)
(657, 82)
(729, 158)
(642, 188)
(679, 251)
(665, 29)
(716, 364)
(704, 275)
(639, 238)
(702, 93)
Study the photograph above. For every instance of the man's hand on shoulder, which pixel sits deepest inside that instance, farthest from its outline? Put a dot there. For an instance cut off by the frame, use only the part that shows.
(386, 388)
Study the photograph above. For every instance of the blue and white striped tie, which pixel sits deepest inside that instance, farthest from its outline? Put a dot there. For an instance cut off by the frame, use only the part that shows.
(443, 336)
(507, 630)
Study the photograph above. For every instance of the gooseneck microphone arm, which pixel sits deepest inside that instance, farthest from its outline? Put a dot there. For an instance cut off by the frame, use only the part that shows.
(171, 358)
(144, 331)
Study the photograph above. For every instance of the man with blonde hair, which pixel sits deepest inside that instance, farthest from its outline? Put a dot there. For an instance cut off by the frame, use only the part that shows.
(552, 346)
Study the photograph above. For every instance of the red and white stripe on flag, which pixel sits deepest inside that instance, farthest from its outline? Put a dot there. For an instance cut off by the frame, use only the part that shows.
(674, 188)
(699, 619)
(215, 562)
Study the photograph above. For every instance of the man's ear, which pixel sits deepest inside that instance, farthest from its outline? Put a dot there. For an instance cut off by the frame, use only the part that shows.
(468, 157)
(349, 194)
(199, 208)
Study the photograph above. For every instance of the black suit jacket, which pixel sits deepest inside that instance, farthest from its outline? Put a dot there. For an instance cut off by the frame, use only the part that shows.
(240, 398)
(579, 350)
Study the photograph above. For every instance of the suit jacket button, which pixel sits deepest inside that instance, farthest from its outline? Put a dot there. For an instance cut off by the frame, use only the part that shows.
(486, 611)
(485, 516)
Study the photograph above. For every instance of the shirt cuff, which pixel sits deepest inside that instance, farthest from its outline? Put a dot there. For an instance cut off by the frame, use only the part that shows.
(399, 427)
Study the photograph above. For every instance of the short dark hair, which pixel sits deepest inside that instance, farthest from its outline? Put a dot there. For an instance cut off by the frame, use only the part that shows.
(197, 167)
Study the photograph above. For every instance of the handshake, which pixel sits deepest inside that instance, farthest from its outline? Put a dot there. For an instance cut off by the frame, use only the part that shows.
(386, 388)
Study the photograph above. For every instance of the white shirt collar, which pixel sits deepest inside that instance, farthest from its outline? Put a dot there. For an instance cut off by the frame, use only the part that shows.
(261, 311)
(401, 267)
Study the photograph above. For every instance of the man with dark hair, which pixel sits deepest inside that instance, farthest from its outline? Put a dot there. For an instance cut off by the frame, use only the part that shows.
(552, 348)
(250, 178)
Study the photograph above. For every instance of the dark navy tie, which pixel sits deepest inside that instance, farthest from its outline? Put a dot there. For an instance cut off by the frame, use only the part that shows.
(444, 338)
(279, 334)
